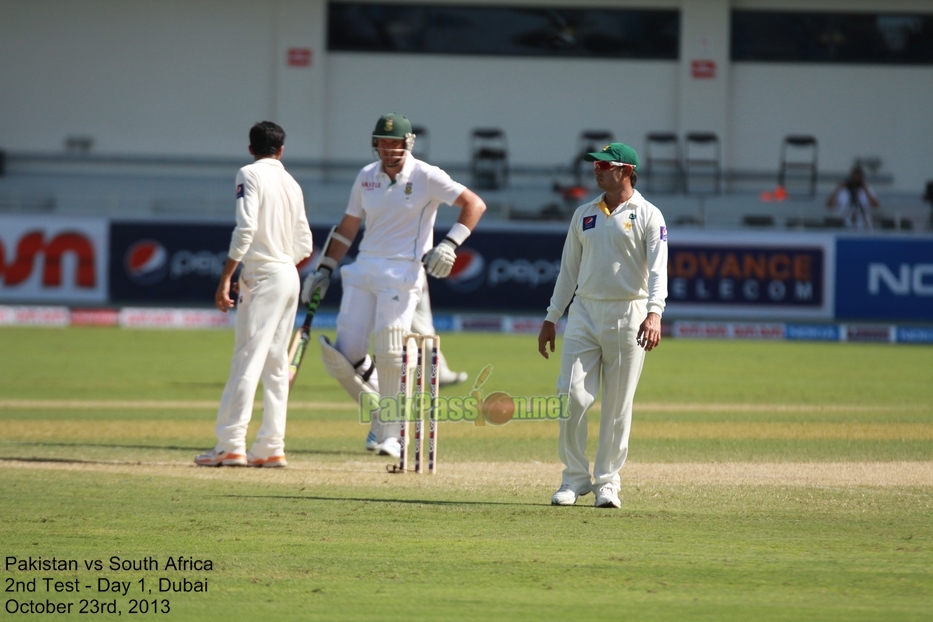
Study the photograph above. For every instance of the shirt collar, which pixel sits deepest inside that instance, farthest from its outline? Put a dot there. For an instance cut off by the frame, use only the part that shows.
(407, 167)
(634, 201)
(270, 162)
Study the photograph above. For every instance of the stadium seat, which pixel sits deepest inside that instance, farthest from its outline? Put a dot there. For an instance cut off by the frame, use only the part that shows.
(798, 164)
(587, 142)
(758, 220)
(662, 162)
(702, 168)
(489, 161)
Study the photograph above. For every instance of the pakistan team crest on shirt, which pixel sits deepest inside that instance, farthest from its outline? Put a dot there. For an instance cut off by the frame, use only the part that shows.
(408, 188)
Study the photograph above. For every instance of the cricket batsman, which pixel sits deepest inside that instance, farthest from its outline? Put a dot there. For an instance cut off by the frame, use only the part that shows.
(397, 197)
(614, 267)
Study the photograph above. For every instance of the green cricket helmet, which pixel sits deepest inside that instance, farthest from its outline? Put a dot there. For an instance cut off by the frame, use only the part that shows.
(395, 127)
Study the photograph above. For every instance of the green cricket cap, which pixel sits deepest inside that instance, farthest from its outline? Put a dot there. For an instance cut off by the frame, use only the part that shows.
(614, 152)
(392, 125)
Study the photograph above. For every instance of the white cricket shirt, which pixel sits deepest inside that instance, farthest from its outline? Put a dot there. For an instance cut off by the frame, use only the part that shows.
(399, 216)
(271, 224)
(617, 256)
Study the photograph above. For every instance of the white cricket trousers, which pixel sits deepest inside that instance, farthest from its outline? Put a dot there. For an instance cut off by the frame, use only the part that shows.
(599, 345)
(377, 293)
(265, 318)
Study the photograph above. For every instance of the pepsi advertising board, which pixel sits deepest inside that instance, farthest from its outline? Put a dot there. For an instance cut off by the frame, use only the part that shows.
(884, 279)
(501, 271)
(155, 262)
(180, 263)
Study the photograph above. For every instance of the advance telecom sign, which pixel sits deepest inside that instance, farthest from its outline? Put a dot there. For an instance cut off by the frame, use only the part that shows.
(884, 279)
(776, 275)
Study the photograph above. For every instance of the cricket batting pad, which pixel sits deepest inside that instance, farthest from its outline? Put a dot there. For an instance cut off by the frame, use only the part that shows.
(387, 348)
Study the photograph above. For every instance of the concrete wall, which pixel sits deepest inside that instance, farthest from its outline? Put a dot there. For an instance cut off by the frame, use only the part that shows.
(172, 77)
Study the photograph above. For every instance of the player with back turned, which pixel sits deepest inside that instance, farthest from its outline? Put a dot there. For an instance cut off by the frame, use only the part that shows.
(397, 197)
(271, 236)
(614, 267)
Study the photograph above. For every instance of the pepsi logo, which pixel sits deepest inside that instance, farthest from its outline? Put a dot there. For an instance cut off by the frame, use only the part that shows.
(469, 271)
(146, 262)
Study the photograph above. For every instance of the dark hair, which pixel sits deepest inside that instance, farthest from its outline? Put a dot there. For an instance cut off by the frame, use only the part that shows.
(634, 178)
(266, 138)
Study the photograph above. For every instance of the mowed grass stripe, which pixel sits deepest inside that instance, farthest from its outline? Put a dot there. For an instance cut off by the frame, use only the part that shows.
(80, 430)
(468, 476)
(348, 405)
(154, 405)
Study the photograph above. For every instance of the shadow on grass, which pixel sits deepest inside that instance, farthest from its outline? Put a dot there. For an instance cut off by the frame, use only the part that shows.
(65, 460)
(199, 448)
(402, 501)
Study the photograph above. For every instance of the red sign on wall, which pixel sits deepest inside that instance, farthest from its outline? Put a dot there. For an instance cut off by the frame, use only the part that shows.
(703, 69)
(299, 57)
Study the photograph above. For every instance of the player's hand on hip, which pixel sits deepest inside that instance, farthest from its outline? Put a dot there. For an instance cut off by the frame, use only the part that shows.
(649, 333)
(440, 260)
(546, 338)
(318, 279)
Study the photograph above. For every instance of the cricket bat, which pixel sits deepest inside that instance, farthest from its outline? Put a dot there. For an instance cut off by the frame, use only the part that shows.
(296, 352)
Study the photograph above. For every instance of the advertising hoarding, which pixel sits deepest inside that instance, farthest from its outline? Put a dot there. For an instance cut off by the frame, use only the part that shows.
(742, 274)
(889, 278)
(61, 259)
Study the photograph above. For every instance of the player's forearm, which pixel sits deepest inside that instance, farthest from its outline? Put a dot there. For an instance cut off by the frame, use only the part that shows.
(471, 209)
(564, 289)
(339, 241)
(568, 277)
(230, 267)
(657, 277)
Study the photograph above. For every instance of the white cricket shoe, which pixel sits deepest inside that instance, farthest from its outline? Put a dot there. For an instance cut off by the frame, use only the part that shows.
(607, 497)
(446, 378)
(270, 462)
(371, 442)
(566, 495)
(214, 458)
(390, 447)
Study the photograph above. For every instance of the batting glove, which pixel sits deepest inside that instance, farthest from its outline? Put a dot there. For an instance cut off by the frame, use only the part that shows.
(320, 278)
(439, 260)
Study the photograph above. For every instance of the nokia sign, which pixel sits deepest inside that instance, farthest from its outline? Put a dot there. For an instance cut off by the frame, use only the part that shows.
(916, 279)
(884, 279)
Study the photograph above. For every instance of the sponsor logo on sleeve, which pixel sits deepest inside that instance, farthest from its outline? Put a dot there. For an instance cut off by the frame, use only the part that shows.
(664, 234)
(239, 191)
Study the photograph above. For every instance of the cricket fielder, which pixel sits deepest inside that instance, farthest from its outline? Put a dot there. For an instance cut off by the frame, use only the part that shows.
(271, 236)
(615, 262)
(397, 197)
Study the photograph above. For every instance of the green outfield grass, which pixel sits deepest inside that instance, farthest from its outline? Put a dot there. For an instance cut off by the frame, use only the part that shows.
(766, 481)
